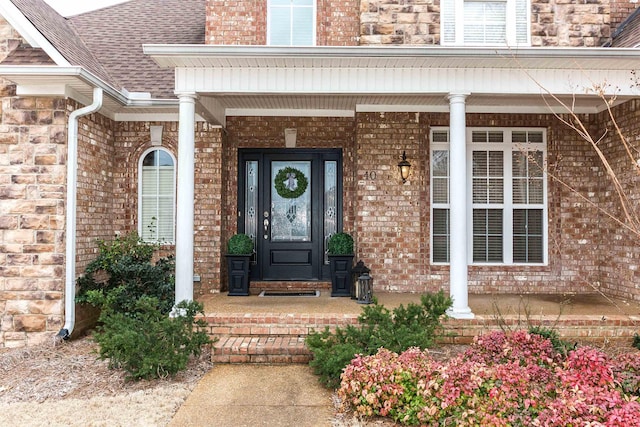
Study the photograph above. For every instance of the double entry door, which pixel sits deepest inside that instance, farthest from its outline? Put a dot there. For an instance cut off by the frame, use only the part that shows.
(290, 203)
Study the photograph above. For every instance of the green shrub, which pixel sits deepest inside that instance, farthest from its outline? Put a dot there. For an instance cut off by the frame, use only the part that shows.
(125, 262)
(135, 298)
(145, 342)
(239, 244)
(636, 341)
(416, 325)
(340, 244)
(561, 346)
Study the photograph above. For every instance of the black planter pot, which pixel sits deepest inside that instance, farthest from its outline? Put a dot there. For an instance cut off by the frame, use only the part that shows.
(341, 279)
(238, 274)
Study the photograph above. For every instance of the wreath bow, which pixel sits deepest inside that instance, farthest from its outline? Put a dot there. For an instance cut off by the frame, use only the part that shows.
(290, 183)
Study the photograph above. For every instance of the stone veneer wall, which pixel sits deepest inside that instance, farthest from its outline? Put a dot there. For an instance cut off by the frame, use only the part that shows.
(244, 22)
(32, 216)
(412, 22)
(620, 249)
(572, 23)
(132, 139)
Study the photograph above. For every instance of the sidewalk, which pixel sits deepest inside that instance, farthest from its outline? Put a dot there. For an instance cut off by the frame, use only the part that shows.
(257, 395)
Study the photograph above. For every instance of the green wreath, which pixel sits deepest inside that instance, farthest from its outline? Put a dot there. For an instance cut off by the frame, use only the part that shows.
(290, 183)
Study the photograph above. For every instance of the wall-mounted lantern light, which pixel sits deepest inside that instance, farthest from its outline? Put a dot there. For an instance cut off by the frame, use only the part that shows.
(405, 167)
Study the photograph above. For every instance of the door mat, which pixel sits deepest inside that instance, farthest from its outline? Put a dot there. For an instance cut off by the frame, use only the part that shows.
(289, 294)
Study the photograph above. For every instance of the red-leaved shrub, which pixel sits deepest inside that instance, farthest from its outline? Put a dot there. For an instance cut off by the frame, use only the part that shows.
(501, 380)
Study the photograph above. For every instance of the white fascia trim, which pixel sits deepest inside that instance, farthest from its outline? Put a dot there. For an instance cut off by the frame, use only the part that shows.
(389, 108)
(153, 117)
(186, 51)
(11, 72)
(31, 35)
(481, 109)
(257, 112)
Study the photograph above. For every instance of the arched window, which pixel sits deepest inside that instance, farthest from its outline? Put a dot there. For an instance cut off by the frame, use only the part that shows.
(156, 196)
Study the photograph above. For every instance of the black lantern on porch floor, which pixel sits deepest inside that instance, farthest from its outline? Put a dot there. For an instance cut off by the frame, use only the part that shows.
(365, 289)
(358, 270)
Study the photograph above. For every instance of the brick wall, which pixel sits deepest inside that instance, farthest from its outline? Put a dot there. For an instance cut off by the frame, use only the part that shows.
(132, 139)
(268, 132)
(95, 190)
(620, 246)
(621, 10)
(393, 219)
(338, 22)
(245, 22)
(238, 22)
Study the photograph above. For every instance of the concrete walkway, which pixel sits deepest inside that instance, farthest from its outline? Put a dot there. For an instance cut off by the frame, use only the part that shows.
(257, 395)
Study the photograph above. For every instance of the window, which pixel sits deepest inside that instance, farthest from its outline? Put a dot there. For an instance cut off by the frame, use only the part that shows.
(485, 22)
(291, 23)
(157, 196)
(507, 197)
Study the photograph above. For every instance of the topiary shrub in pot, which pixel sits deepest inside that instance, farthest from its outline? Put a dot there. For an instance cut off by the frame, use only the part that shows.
(239, 250)
(340, 248)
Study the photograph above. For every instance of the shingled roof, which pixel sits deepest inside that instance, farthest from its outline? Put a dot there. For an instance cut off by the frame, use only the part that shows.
(61, 35)
(108, 42)
(116, 34)
(27, 55)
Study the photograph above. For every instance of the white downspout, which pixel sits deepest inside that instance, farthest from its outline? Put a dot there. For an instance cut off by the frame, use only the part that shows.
(70, 231)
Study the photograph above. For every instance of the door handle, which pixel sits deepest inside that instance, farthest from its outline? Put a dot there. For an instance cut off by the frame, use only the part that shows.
(266, 228)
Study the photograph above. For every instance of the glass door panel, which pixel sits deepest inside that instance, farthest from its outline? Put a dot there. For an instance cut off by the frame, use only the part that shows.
(291, 201)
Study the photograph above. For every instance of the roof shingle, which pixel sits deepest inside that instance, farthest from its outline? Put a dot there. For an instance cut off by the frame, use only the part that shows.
(61, 35)
(108, 42)
(115, 36)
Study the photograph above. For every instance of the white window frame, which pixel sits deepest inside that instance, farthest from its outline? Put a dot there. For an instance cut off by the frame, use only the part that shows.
(454, 10)
(508, 147)
(140, 195)
(314, 29)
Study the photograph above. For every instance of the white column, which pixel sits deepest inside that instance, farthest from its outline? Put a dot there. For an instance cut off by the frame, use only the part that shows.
(185, 198)
(458, 204)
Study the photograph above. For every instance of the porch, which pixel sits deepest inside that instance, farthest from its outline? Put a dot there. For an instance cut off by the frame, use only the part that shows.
(257, 329)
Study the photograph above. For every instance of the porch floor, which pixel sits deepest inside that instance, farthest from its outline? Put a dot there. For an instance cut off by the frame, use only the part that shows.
(484, 306)
(254, 329)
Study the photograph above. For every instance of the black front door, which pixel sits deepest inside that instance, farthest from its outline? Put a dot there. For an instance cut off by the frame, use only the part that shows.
(290, 202)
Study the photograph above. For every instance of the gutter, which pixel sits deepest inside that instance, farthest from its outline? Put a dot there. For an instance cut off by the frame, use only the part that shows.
(32, 74)
(369, 52)
(70, 231)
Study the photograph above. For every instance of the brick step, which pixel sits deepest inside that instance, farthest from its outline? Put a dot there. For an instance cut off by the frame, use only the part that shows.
(256, 287)
(260, 349)
(267, 337)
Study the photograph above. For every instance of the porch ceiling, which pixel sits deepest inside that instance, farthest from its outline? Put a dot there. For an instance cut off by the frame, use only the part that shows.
(348, 105)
